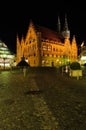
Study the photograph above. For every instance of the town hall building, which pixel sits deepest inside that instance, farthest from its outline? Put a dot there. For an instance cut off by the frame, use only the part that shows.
(45, 47)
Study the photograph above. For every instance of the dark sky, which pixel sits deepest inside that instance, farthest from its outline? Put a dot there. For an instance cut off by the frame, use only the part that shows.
(15, 17)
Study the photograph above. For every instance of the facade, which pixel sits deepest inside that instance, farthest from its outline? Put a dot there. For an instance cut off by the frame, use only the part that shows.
(6, 56)
(82, 54)
(44, 47)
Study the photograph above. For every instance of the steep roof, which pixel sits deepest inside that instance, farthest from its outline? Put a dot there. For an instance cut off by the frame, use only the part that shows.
(49, 34)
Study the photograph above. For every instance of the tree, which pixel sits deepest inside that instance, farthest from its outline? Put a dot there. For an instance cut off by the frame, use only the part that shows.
(75, 66)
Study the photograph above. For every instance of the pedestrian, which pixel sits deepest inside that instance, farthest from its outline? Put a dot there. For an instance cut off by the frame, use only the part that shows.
(24, 71)
(66, 69)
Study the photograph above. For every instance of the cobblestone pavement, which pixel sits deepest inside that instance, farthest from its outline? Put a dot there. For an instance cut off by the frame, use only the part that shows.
(42, 101)
(22, 106)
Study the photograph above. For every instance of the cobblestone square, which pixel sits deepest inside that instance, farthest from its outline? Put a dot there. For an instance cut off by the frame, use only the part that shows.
(41, 100)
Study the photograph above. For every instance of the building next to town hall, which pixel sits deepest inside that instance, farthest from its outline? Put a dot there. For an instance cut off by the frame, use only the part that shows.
(45, 47)
(7, 58)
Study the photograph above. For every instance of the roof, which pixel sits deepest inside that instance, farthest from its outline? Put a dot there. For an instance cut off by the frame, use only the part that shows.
(49, 34)
(23, 63)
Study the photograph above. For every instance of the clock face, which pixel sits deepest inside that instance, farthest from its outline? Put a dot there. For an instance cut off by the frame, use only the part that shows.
(31, 39)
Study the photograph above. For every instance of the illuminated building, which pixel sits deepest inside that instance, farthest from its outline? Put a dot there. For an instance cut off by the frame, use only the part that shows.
(82, 55)
(44, 47)
(6, 57)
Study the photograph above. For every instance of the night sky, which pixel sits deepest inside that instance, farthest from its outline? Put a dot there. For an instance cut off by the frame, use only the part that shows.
(15, 17)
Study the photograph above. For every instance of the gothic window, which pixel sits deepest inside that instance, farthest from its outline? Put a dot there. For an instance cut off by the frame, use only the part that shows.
(53, 49)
